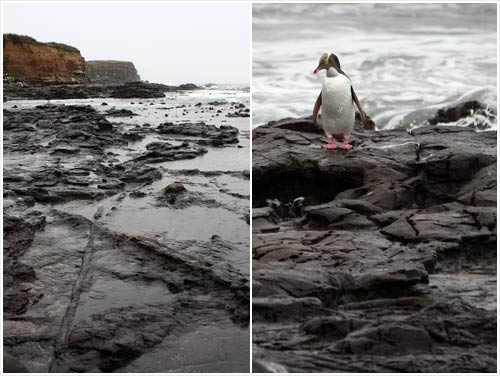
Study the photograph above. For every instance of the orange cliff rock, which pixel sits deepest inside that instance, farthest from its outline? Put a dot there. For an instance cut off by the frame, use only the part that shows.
(27, 60)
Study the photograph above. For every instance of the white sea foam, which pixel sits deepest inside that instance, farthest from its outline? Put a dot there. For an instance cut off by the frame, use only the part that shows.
(405, 60)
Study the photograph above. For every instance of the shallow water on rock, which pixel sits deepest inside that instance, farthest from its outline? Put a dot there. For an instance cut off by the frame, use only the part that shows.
(227, 159)
(218, 348)
(119, 256)
(179, 224)
(106, 294)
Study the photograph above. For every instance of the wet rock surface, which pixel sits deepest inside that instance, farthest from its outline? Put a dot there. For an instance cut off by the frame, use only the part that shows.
(137, 90)
(120, 113)
(102, 272)
(377, 259)
(82, 91)
(208, 134)
(477, 114)
(240, 111)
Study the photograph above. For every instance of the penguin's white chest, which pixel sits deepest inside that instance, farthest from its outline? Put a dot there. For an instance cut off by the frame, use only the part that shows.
(337, 108)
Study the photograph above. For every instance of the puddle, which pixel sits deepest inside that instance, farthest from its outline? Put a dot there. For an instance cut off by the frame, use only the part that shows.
(114, 293)
(220, 348)
(223, 159)
(191, 223)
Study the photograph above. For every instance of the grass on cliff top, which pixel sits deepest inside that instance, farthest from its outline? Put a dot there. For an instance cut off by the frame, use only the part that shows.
(19, 39)
(64, 46)
(16, 38)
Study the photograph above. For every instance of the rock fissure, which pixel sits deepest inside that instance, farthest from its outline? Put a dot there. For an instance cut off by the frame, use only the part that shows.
(68, 318)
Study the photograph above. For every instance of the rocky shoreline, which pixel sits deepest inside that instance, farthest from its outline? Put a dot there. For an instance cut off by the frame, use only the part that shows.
(26, 90)
(378, 259)
(109, 260)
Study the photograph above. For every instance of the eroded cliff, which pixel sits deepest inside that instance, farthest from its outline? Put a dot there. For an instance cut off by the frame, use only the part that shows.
(26, 59)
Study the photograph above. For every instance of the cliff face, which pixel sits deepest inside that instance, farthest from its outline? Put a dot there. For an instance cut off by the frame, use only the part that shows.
(111, 72)
(26, 59)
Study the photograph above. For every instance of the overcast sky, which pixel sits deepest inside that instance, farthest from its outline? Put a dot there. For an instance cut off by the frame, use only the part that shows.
(168, 43)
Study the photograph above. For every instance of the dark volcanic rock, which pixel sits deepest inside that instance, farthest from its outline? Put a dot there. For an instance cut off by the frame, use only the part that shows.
(82, 91)
(175, 188)
(119, 113)
(175, 195)
(241, 110)
(164, 151)
(378, 259)
(64, 135)
(63, 138)
(464, 110)
(12, 365)
(55, 92)
(240, 113)
(18, 234)
(57, 128)
(209, 134)
(137, 90)
(188, 87)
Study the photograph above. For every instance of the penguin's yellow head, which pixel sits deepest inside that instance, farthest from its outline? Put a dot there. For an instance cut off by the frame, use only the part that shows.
(326, 61)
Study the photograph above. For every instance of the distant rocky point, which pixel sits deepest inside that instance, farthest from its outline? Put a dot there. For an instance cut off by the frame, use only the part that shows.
(111, 72)
(188, 87)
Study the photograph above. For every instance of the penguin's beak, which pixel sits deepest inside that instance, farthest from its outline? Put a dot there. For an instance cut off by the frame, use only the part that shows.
(318, 69)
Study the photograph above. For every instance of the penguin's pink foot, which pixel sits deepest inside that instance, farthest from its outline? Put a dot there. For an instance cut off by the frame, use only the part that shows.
(330, 144)
(345, 143)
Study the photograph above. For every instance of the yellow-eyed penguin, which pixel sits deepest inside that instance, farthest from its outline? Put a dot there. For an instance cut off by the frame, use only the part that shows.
(337, 100)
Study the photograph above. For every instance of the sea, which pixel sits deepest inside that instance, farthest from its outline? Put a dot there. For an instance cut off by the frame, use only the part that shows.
(405, 61)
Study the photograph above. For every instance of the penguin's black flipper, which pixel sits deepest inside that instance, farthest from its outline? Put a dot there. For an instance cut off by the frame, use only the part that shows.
(361, 112)
(317, 105)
